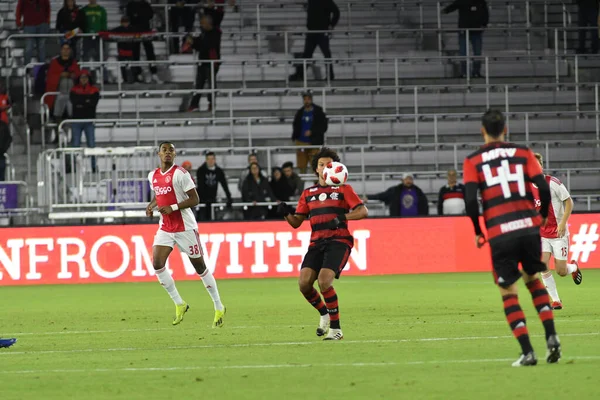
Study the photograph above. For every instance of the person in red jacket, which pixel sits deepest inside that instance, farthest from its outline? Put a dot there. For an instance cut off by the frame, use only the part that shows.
(34, 17)
(62, 68)
(84, 97)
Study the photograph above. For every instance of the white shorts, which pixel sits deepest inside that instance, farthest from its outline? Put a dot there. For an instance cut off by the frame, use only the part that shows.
(187, 241)
(558, 247)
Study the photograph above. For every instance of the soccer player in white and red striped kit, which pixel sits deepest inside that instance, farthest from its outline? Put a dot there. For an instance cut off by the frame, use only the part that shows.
(175, 195)
(555, 236)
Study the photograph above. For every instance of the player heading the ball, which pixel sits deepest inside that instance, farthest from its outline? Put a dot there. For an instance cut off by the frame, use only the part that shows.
(328, 208)
(175, 195)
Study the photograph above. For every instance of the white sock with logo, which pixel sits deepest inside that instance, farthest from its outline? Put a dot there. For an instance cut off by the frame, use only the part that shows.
(571, 268)
(211, 287)
(166, 280)
(550, 285)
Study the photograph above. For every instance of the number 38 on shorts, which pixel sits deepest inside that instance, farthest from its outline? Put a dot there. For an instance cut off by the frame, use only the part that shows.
(187, 241)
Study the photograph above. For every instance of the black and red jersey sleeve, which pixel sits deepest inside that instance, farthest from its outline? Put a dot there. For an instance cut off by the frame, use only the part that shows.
(470, 174)
(351, 197)
(302, 207)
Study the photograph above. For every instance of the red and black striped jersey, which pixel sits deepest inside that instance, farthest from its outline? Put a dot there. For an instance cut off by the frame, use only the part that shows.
(321, 204)
(503, 172)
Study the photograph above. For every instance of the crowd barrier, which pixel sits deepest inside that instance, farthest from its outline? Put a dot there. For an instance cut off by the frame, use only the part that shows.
(98, 254)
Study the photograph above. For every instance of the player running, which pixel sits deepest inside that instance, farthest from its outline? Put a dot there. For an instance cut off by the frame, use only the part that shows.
(328, 208)
(5, 343)
(501, 171)
(175, 194)
(555, 236)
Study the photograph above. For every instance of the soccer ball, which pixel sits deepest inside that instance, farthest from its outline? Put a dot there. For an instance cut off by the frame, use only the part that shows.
(335, 174)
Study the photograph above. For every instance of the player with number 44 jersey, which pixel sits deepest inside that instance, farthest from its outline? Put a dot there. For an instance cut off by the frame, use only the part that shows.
(555, 236)
(175, 195)
(503, 172)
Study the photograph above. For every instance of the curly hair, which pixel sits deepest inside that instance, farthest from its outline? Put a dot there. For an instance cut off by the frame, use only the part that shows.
(324, 152)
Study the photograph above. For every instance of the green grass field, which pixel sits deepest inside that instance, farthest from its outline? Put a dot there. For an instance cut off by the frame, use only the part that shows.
(406, 337)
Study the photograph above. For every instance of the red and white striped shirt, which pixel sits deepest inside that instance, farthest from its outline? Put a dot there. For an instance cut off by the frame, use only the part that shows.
(559, 194)
(171, 187)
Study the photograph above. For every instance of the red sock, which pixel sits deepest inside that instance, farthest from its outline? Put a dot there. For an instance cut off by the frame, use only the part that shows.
(541, 301)
(331, 300)
(516, 320)
(314, 298)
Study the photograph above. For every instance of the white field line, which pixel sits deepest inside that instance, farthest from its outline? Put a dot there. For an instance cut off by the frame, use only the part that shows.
(273, 366)
(400, 323)
(273, 344)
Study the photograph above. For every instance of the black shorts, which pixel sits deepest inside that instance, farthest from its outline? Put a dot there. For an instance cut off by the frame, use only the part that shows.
(506, 256)
(331, 255)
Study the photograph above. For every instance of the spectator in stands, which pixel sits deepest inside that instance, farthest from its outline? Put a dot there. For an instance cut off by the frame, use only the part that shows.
(208, 46)
(451, 200)
(140, 15)
(293, 180)
(252, 159)
(474, 16)
(279, 185)
(256, 189)
(587, 21)
(322, 15)
(181, 13)
(216, 10)
(70, 21)
(34, 17)
(187, 165)
(5, 136)
(208, 178)
(405, 199)
(85, 97)
(62, 70)
(125, 49)
(310, 125)
(95, 21)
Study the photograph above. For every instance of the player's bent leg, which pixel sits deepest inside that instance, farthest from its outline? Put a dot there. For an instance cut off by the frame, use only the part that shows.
(516, 321)
(563, 268)
(541, 301)
(326, 277)
(306, 284)
(210, 284)
(160, 253)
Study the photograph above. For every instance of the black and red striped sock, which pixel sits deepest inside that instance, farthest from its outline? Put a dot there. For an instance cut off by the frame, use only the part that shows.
(315, 300)
(331, 301)
(541, 301)
(516, 320)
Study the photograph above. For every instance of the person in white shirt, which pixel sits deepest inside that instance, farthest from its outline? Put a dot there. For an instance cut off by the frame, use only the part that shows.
(555, 236)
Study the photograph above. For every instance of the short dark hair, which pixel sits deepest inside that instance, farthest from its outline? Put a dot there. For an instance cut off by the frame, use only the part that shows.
(287, 164)
(165, 142)
(210, 153)
(307, 94)
(252, 155)
(324, 152)
(493, 122)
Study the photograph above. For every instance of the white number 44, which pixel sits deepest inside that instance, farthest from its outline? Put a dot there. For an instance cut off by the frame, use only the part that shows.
(504, 177)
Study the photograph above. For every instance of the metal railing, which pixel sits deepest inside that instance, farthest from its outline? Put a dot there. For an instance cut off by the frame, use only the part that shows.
(67, 182)
(394, 120)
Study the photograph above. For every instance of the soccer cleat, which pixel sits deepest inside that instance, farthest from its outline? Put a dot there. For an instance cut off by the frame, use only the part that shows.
(553, 353)
(180, 312)
(577, 276)
(5, 343)
(218, 322)
(323, 325)
(526, 360)
(557, 305)
(334, 334)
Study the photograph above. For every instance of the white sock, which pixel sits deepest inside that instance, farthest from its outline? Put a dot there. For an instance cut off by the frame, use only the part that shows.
(550, 285)
(211, 287)
(166, 280)
(571, 268)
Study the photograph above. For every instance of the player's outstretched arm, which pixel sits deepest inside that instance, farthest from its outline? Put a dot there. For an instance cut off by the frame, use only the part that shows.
(288, 213)
(359, 212)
